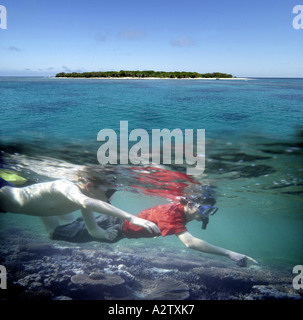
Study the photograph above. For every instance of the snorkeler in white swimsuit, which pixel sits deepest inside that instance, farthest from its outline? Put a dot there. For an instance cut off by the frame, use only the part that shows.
(58, 199)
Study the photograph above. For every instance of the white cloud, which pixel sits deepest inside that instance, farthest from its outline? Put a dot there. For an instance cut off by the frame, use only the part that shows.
(131, 34)
(66, 69)
(182, 41)
(100, 37)
(13, 48)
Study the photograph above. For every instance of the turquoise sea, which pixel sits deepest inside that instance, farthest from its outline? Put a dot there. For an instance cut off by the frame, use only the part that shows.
(253, 132)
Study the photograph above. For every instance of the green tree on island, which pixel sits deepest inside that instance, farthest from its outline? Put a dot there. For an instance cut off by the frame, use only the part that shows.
(142, 74)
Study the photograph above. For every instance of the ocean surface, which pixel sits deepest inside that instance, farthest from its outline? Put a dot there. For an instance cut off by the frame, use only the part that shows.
(253, 132)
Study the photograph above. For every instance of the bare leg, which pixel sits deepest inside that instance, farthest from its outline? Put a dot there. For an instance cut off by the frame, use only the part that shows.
(50, 223)
(67, 218)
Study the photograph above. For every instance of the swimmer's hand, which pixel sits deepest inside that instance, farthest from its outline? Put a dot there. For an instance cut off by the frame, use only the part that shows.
(148, 225)
(241, 259)
(99, 233)
(111, 233)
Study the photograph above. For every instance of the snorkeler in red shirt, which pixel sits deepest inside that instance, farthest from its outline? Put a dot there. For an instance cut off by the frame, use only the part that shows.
(170, 218)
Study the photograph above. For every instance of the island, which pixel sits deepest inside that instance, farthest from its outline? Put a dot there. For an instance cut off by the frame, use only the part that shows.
(144, 74)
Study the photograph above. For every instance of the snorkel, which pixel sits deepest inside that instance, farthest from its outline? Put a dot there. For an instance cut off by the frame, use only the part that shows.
(205, 212)
(204, 223)
(110, 192)
(207, 208)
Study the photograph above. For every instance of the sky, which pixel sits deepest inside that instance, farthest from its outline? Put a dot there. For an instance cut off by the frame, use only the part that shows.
(244, 38)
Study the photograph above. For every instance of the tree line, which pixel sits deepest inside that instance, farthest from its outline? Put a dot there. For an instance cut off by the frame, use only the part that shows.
(142, 74)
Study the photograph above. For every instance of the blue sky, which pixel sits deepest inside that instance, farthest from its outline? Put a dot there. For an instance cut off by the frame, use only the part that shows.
(244, 38)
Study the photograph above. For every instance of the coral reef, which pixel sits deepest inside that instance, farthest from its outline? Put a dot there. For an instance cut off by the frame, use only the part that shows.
(48, 270)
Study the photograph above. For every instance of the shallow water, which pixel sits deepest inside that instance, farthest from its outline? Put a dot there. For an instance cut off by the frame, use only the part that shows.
(253, 150)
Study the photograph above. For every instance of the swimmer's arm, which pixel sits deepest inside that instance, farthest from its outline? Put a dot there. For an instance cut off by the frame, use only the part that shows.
(74, 194)
(92, 227)
(197, 244)
(106, 208)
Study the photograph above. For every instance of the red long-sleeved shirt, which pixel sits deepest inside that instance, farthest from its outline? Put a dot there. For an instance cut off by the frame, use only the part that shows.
(170, 218)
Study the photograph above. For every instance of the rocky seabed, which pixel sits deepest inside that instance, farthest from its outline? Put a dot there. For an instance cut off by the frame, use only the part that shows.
(47, 270)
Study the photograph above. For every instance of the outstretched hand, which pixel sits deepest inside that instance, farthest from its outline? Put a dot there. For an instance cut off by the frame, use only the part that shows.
(241, 259)
(148, 225)
(111, 233)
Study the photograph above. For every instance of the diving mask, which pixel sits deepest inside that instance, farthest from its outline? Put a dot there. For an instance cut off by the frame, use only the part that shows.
(207, 210)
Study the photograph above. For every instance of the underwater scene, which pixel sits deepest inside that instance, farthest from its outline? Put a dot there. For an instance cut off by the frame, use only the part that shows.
(253, 169)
